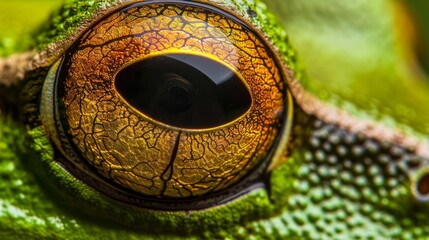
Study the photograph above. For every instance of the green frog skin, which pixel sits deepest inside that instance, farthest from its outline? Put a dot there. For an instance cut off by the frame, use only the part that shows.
(357, 161)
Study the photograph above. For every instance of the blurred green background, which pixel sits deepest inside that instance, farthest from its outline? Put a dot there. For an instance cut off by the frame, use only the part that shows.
(420, 11)
(19, 18)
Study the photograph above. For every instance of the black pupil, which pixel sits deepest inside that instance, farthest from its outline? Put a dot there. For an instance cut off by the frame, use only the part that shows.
(184, 90)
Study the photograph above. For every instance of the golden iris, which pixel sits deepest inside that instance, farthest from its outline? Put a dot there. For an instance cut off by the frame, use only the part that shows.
(171, 100)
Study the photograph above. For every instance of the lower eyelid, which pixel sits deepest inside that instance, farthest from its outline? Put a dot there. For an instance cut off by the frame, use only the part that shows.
(72, 193)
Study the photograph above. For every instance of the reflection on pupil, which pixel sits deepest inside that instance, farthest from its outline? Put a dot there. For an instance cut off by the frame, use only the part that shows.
(179, 99)
(178, 95)
(184, 90)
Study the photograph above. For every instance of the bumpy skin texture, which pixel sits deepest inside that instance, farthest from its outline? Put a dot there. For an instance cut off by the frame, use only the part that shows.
(334, 185)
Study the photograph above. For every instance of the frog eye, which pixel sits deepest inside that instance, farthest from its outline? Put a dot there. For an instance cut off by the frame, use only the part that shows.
(163, 103)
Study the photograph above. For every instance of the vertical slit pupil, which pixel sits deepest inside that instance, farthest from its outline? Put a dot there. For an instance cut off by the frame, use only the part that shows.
(184, 90)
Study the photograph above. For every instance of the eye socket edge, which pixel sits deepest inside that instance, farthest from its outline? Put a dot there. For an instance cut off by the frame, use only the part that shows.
(277, 155)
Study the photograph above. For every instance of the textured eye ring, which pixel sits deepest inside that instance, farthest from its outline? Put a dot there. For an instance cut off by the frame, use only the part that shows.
(219, 128)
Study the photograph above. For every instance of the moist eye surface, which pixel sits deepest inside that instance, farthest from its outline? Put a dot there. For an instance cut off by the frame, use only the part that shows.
(165, 103)
(184, 90)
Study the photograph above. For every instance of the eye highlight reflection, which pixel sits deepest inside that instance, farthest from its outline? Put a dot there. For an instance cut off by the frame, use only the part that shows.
(168, 102)
(184, 90)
